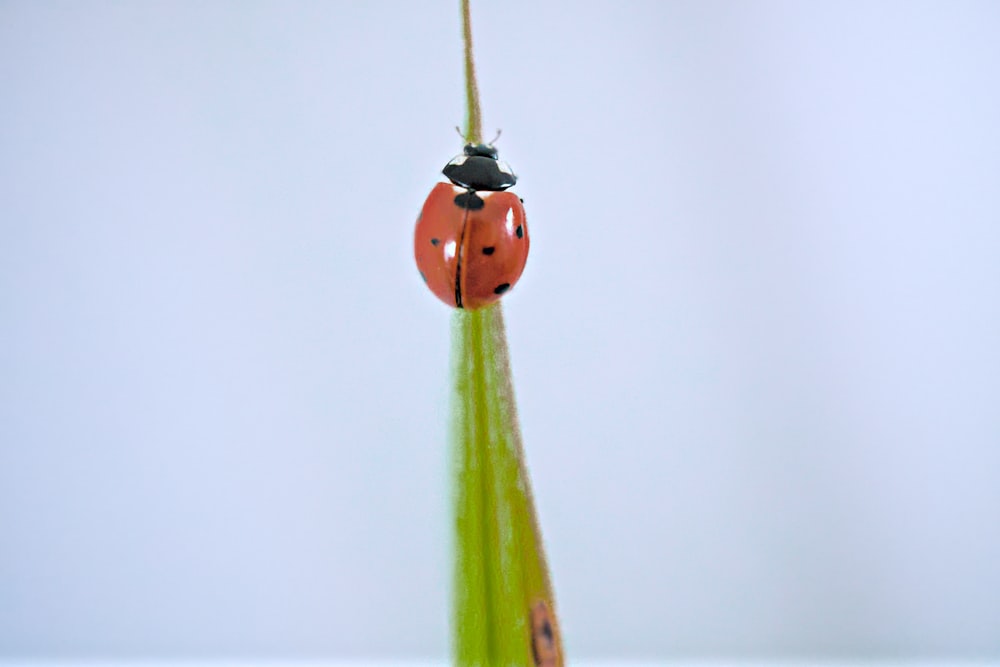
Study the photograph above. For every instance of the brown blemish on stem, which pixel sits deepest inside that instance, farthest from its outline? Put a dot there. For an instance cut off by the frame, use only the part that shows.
(544, 643)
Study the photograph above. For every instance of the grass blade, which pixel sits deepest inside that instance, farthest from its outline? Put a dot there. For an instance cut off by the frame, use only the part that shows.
(504, 612)
(504, 609)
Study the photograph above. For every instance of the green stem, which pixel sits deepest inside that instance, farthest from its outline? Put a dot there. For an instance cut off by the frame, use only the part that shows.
(501, 574)
(504, 612)
(473, 116)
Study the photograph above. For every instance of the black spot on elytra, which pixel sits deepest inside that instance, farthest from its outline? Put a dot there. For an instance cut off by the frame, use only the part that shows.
(521, 200)
(488, 250)
(435, 241)
(470, 200)
(520, 231)
(501, 288)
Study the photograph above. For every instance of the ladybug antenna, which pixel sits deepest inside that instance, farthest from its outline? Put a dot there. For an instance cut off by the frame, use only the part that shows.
(459, 131)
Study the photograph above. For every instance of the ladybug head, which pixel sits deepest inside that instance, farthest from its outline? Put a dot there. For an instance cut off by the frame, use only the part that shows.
(479, 169)
(480, 150)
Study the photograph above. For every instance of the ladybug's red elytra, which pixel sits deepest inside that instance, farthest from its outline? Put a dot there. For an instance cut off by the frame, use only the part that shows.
(471, 240)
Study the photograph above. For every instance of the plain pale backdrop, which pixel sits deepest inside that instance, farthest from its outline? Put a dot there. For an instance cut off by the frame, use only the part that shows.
(756, 347)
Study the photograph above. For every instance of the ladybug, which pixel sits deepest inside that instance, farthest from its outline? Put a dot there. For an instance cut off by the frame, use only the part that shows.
(471, 240)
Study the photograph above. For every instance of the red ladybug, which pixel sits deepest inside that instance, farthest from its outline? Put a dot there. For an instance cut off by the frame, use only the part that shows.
(471, 241)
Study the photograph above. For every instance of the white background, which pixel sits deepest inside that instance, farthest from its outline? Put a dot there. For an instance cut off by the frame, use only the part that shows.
(756, 347)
